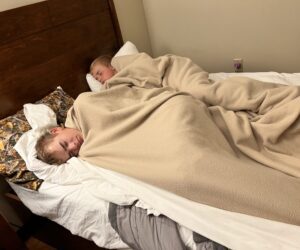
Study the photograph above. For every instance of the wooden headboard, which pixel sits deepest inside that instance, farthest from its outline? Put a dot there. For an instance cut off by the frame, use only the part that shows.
(52, 43)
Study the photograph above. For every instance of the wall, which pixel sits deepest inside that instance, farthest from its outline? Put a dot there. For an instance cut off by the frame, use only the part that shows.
(213, 32)
(132, 22)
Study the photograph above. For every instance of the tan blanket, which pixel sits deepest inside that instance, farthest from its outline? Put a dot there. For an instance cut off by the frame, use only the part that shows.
(231, 144)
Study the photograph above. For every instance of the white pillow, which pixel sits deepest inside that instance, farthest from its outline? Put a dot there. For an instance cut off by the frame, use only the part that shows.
(94, 85)
(127, 49)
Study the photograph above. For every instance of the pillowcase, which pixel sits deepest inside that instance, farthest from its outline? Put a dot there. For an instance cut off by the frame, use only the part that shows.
(12, 166)
(127, 49)
(94, 85)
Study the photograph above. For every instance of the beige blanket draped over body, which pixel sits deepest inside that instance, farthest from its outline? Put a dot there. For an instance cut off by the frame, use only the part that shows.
(232, 144)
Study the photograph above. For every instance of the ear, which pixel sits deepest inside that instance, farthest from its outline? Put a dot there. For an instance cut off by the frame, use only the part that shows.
(56, 130)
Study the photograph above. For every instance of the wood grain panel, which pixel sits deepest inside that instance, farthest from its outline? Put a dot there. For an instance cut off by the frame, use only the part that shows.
(74, 9)
(19, 22)
(44, 46)
(67, 70)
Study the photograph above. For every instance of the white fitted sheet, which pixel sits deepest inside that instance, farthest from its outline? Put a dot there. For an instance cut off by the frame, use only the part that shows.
(282, 78)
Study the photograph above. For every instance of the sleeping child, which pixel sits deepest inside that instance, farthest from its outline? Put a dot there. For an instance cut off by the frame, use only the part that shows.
(101, 69)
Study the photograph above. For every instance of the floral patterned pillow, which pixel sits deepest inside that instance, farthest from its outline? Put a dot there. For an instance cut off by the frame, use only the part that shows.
(12, 166)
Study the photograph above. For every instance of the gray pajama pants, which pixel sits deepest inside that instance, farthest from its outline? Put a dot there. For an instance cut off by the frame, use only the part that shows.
(144, 232)
(148, 232)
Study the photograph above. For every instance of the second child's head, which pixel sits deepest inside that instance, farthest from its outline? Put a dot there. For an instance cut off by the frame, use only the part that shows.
(101, 69)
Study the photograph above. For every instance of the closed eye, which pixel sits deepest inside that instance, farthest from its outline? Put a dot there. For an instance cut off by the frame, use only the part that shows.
(64, 145)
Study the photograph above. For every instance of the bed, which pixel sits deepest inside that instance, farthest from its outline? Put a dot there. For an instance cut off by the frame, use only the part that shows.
(55, 48)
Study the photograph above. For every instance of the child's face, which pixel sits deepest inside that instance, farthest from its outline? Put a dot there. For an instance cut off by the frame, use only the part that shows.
(102, 73)
(66, 143)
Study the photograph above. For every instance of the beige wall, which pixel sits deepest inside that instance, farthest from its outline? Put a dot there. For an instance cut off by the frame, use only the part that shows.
(132, 22)
(265, 33)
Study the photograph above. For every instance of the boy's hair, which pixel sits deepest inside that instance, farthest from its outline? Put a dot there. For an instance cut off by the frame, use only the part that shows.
(42, 151)
(104, 60)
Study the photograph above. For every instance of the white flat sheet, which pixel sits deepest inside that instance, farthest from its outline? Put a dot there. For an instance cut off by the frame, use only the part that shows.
(76, 199)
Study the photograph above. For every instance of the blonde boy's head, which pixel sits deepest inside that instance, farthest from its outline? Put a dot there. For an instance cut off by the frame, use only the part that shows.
(101, 69)
(104, 60)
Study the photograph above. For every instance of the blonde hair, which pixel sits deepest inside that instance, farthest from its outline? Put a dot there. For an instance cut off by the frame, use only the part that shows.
(43, 153)
(104, 60)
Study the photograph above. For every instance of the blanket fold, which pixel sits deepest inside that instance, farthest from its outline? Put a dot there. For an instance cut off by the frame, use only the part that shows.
(231, 144)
